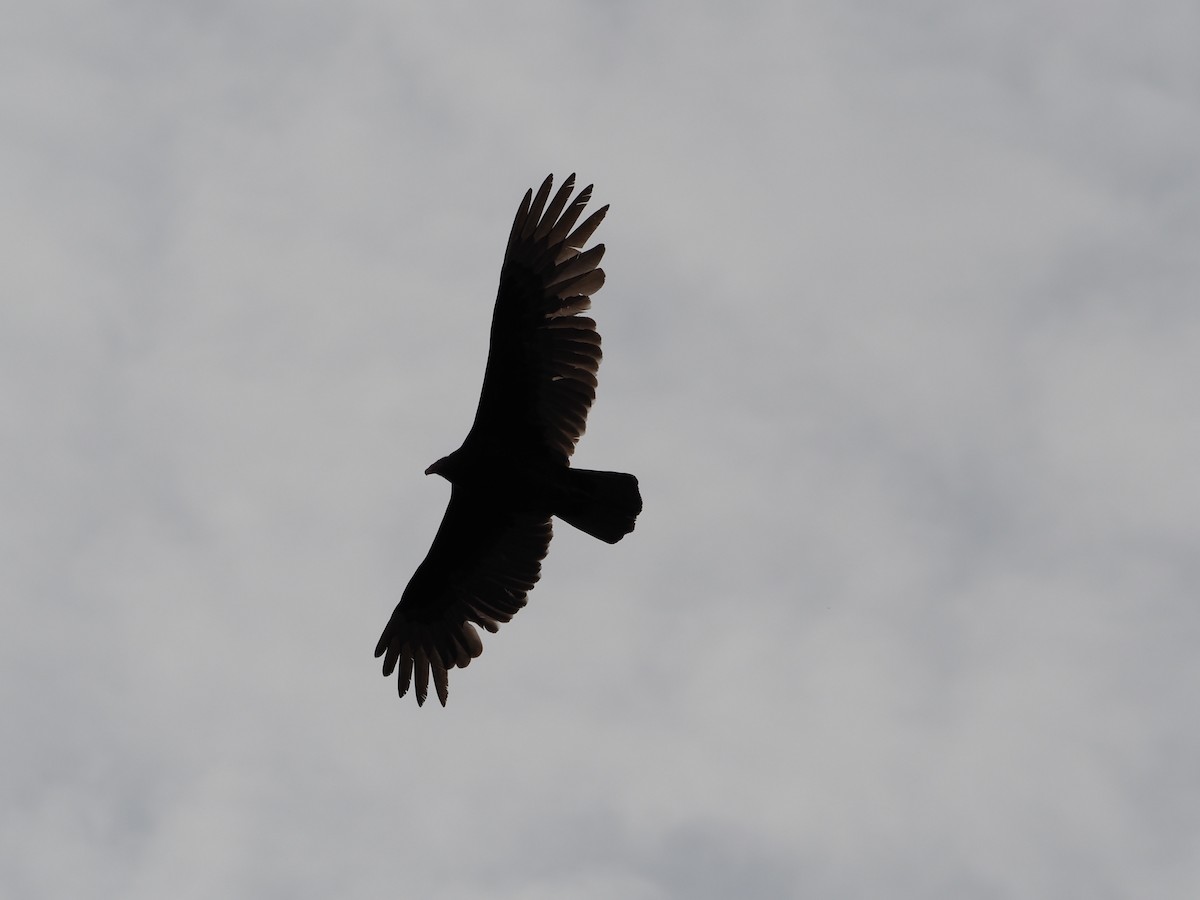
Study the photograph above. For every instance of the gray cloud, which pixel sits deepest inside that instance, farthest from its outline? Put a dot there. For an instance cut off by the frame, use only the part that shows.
(899, 337)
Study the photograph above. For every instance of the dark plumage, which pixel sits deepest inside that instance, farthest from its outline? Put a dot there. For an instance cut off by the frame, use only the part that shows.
(512, 473)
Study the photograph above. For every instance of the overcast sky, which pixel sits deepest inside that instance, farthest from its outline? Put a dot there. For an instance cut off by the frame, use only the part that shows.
(902, 338)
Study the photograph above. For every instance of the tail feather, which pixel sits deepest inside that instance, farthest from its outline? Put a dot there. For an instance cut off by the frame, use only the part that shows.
(603, 504)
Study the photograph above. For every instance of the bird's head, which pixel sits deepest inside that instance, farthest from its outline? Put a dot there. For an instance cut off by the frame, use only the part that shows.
(441, 467)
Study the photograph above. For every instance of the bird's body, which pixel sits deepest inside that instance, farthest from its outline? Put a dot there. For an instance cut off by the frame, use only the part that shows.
(512, 473)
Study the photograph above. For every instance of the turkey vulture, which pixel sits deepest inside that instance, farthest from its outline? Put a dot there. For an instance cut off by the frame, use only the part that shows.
(512, 473)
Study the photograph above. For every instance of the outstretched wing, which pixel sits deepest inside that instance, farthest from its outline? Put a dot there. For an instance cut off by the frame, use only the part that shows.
(482, 564)
(542, 362)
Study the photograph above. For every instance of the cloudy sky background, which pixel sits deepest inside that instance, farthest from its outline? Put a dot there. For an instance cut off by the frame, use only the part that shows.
(901, 337)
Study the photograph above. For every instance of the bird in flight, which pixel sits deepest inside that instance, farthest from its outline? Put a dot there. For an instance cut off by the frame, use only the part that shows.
(512, 473)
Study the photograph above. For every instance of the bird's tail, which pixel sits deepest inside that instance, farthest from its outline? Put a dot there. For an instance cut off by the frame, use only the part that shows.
(603, 504)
